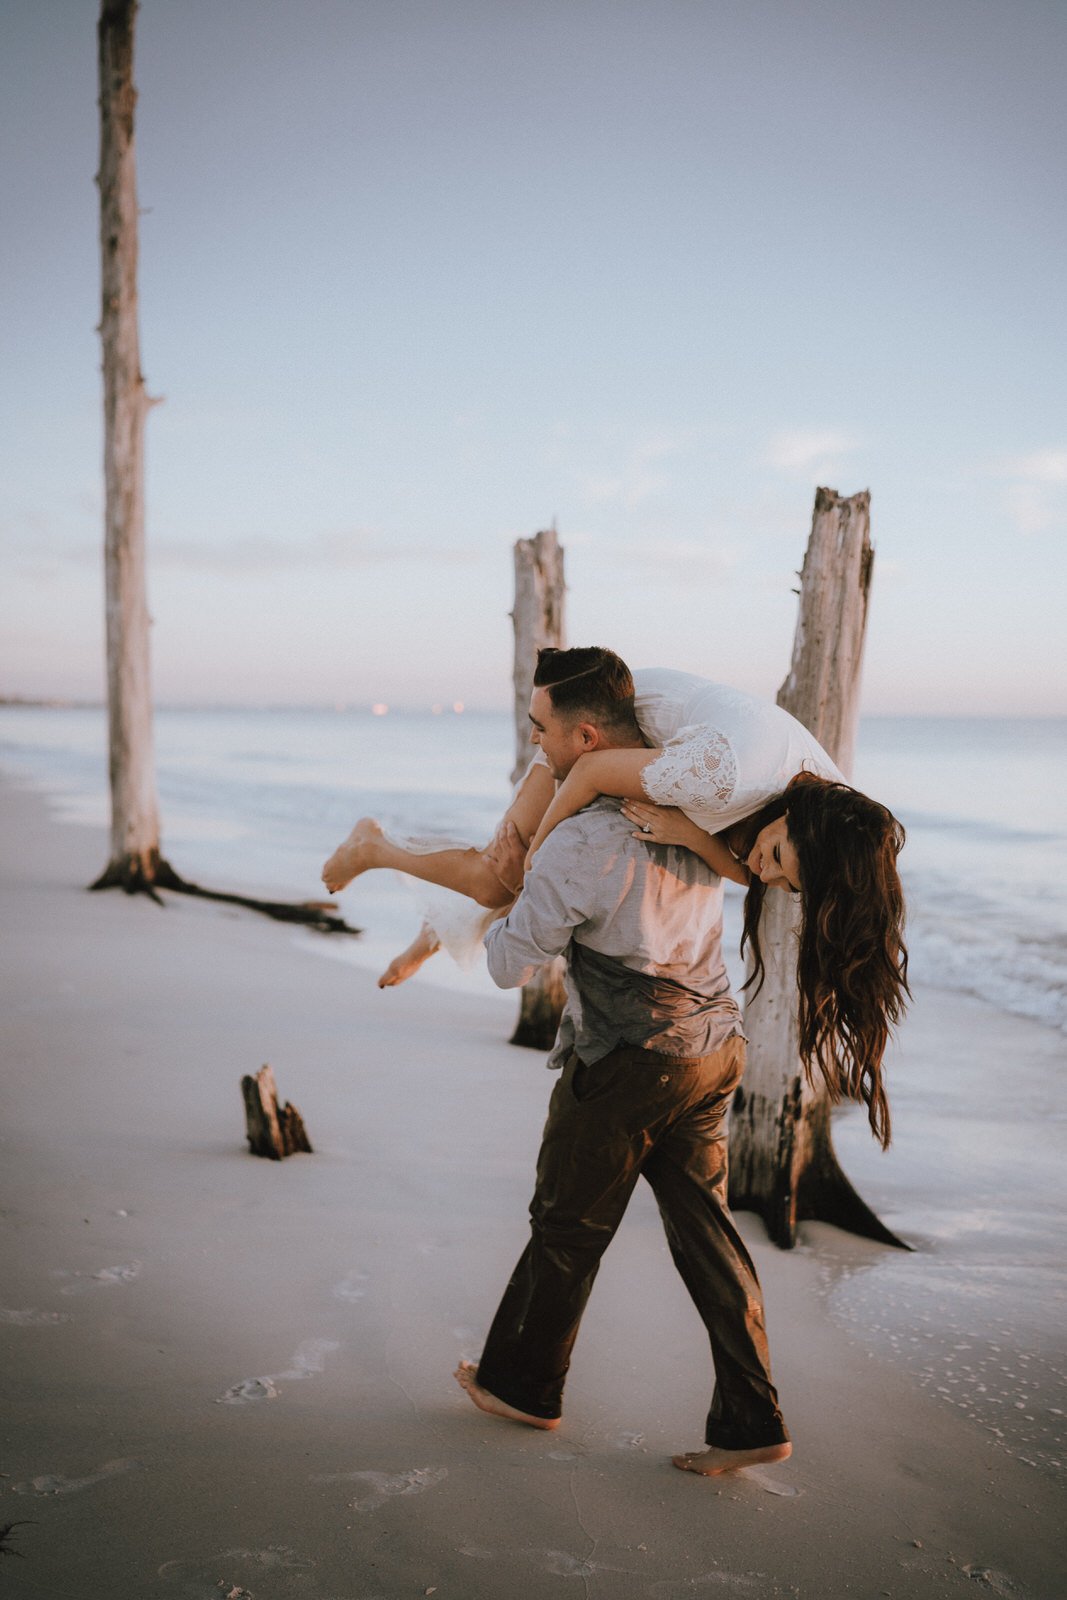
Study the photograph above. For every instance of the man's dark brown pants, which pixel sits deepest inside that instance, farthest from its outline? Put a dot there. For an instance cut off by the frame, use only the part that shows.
(636, 1112)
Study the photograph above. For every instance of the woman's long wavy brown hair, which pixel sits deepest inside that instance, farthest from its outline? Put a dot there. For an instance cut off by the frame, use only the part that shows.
(852, 963)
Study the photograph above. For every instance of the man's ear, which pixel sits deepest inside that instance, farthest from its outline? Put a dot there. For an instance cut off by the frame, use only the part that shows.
(590, 735)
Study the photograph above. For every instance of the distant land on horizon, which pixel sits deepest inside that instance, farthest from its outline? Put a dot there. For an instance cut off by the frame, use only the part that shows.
(56, 703)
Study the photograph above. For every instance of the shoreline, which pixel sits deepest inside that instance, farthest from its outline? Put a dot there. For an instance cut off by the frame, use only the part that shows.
(167, 1281)
(254, 809)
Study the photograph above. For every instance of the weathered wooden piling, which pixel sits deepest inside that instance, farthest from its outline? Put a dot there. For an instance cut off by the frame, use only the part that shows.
(782, 1161)
(135, 863)
(538, 622)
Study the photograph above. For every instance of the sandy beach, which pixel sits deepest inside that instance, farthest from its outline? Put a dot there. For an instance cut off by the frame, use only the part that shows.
(225, 1376)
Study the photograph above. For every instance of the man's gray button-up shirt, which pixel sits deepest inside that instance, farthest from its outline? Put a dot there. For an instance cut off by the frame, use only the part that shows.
(640, 925)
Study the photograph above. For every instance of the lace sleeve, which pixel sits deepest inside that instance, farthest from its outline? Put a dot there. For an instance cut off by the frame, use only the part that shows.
(696, 771)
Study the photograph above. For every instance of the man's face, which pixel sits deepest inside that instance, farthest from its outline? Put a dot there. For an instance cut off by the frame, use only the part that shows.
(562, 742)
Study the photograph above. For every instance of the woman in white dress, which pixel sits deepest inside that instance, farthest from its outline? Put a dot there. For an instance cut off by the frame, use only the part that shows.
(744, 785)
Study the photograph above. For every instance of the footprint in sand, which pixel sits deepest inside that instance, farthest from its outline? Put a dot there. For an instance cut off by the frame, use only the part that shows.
(351, 1287)
(33, 1319)
(381, 1486)
(227, 1575)
(772, 1485)
(996, 1582)
(50, 1483)
(683, 1588)
(82, 1281)
(247, 1390)
(309, 1358)
(564, 1565)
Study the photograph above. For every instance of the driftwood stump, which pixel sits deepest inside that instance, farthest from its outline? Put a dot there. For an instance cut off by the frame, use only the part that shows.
(273, 1131)
(538, 622)
(782, 1161)
(543, 999)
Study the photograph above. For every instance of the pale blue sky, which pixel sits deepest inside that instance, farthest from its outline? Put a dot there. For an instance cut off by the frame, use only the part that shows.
(418, 277)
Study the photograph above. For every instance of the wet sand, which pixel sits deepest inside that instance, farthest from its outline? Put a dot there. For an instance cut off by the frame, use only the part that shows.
(223, 1376)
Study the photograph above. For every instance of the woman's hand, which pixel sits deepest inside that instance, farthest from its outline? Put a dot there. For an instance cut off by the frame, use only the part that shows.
(662, 824)
(506, 854)
(668, 825)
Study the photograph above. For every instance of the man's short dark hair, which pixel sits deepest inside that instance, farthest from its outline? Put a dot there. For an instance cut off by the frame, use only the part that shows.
(589, 684)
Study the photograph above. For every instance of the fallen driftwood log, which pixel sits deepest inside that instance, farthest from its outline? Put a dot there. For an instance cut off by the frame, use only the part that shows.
(273, 1131)
(321, 915)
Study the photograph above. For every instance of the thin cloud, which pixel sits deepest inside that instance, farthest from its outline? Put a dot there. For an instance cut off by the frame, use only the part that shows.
(1042, 466)
(666, 442)
(628, 491)
(671, 562)
(638, 478)
(809, 453)
(1035, 497)
(343, 551)
(339, 551)
(1032, 509)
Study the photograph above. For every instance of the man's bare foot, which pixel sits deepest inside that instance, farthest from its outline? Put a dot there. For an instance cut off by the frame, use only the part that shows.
(466, 1375)
(408, 962)
(713, 1461)
(356, 855)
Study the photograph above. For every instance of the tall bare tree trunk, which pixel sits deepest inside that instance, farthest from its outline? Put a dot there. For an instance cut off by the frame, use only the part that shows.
(538, 622)
(782, 1162)
(135, 862)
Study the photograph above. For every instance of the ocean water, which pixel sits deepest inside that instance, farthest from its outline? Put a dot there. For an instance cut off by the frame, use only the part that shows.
(984, 802)
(975, 1180)
(256, 801)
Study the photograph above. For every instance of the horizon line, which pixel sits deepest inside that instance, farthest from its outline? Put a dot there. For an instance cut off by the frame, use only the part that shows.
(379, 709)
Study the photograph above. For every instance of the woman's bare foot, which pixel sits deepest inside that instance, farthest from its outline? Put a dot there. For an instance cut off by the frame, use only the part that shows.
(466, 1375)
(408, 962)
(356, 855)
(713, 1461)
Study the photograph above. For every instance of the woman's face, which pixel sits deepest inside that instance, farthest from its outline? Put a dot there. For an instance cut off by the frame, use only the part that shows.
(773, 858)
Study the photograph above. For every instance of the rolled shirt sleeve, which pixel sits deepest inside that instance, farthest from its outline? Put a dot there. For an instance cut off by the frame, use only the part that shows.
(539, 925)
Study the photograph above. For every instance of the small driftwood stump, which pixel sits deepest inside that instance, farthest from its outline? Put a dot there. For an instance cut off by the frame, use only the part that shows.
(543, 1000)
(273, 1131)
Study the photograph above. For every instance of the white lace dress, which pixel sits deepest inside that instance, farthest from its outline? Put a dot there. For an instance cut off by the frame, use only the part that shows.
(724, 755)
(458, 924)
